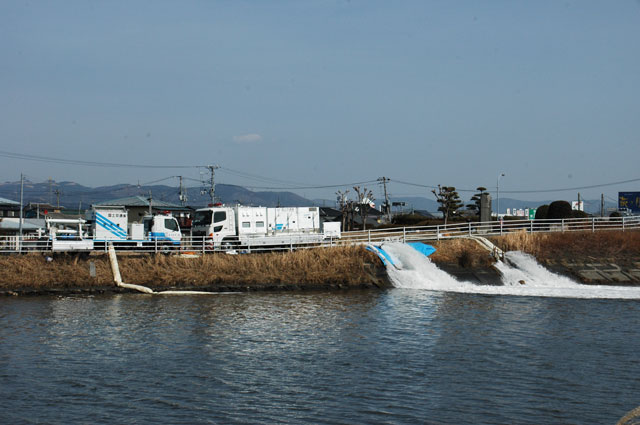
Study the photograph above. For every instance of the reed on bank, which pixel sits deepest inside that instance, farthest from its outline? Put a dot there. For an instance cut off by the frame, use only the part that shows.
(340, 265)
(579, 245)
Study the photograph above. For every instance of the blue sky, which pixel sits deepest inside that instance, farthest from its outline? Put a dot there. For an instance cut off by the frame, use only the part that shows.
(326, 92)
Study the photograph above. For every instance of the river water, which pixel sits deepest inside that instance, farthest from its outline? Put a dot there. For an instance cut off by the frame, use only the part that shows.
(393, 356)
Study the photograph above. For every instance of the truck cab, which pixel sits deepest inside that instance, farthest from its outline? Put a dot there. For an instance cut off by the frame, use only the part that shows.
(161, 228)
(215, 223)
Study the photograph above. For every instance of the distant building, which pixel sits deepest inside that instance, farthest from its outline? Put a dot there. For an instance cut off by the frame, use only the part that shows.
(9, 208)
(39, 210)
(10, 226)
(330, 214)
(10, 220)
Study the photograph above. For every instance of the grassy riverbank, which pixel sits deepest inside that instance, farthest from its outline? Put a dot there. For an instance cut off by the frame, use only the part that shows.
(603, 257)
(304, 269)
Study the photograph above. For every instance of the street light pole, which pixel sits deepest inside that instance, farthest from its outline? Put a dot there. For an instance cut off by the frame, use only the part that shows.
(498, 195)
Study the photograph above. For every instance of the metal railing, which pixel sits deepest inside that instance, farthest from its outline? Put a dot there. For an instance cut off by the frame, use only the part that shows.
(202, 245)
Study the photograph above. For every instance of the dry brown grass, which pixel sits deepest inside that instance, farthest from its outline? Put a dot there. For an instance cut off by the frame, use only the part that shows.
(464, 252)
(522, 241)
(34, 271)
(579, 245)
(342, 265)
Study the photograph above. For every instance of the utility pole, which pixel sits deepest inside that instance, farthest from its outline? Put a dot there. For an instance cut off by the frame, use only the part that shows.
(578, 208)
(58, 193)
(602, 205)
(50, 191)
(387, 207)
(21, 202)
(183, 193)
(150, 205)
(212, 185)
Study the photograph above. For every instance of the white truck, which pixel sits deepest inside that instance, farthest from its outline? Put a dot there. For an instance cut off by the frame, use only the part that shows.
(110, 224)
(67, 234)
(229, 227)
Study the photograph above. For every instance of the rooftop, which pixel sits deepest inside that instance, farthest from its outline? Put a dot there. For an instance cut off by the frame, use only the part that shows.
(8, 202)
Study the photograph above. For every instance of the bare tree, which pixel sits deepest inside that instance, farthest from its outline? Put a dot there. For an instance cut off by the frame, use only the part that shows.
(365, 197)
(343, 201)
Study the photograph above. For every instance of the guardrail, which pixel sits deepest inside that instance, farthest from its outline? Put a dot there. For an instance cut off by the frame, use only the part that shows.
(190, 244)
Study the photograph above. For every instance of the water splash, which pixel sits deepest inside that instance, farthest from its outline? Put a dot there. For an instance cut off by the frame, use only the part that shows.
(522, 275)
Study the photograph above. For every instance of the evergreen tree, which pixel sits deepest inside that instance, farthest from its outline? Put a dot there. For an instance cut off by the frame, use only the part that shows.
(449, 201)
(475, 206)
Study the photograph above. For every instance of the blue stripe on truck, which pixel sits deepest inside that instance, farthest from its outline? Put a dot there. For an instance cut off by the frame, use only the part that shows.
(110, 226)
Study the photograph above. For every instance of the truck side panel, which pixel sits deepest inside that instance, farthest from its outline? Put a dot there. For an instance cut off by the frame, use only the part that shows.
(251, 220)
(110, 224)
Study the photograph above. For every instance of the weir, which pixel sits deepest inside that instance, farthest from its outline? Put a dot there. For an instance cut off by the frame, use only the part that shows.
(521, 274)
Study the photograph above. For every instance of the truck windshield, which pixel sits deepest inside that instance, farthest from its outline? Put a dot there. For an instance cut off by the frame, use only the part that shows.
(202, 218)
(171, 224)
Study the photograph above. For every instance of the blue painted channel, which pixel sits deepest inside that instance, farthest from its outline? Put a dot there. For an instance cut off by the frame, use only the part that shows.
(422, 248)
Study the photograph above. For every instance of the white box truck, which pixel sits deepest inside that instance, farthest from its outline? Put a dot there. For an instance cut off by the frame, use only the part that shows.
(242, 226)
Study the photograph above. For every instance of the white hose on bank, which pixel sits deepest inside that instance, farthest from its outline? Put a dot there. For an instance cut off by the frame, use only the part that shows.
(113, 259)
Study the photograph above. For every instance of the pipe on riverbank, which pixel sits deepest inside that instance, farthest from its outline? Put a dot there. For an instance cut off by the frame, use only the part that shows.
(113, 259)
(496, 252)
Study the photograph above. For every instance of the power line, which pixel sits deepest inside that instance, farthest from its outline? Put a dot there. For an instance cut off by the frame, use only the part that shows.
(328, 186)
(49, 159)
(260, 178)
(528, 191)
(595, 186)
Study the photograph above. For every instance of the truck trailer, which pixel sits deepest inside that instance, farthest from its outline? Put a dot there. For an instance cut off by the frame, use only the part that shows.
(239, 226)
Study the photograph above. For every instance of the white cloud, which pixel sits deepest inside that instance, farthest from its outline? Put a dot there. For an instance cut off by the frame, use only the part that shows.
(248, 138)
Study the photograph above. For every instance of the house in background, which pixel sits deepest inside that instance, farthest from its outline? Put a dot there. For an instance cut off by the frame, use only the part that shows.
(9, 208)
(10, 220)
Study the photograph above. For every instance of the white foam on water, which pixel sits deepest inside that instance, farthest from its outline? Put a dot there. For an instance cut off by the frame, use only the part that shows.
(413, 270)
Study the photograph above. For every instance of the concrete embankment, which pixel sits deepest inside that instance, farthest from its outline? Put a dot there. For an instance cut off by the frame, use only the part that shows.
(331, 268)
(601, 258)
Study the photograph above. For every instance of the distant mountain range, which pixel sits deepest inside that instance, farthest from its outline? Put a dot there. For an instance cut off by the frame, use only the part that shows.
(73, 196)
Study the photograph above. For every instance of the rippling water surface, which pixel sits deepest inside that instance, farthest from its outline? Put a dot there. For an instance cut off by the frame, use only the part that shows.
(397, 356)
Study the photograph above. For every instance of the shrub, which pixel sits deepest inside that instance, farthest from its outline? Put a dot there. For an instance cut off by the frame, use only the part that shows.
(541, 212)
(615, 214)
(408, 219)
(580, 214)
(559, 209)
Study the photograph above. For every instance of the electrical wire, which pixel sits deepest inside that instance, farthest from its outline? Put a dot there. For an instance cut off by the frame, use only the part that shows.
(288, 184)
(261, 178)
(49, 159)
(528, 191)
(328, 186)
